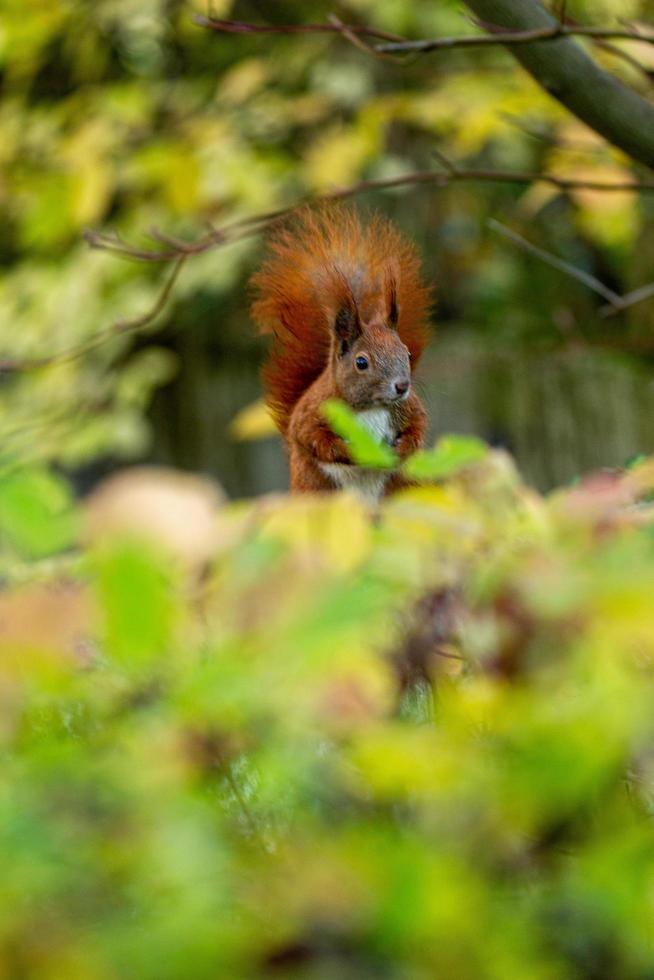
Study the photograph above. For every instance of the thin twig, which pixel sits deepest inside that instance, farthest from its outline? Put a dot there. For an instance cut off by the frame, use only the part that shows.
(393, 44)
(629, 299)
(550, 33)
(570, 270)
(616, 303)
(252, 225)
(335, 27)
(628, 59)
(356, 38)
(119, 327)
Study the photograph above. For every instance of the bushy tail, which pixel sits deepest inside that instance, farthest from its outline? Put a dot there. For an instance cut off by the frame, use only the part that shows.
(311, 260)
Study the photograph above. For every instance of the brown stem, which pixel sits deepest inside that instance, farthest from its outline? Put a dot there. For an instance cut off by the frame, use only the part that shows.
(438, 178)
(335, 27)
(512, 38)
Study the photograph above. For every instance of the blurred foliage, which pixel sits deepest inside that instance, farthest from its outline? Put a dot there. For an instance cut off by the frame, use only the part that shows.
(291, 738)
(124, 114)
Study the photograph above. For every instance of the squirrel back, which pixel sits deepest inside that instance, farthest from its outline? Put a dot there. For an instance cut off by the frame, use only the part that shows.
(318, 261)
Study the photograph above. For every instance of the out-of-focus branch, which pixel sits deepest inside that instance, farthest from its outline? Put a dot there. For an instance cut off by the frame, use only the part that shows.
(334, 27)
(118, 328)
(562, 68)
(393, 44)
(629, 299)
(615, 304)
(176, 248)
(543, 44)
(513, 37)
(580, 275)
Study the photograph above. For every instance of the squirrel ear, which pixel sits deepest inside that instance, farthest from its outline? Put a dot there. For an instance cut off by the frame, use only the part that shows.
(390, 291)
(346, 325)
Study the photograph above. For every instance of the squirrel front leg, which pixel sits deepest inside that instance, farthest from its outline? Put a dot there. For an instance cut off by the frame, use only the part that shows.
(315, 437)
(409, 439)
(412, 433)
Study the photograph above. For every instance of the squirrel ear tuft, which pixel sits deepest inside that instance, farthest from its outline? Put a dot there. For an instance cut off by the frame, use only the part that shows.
(390, 295)
(346, 324)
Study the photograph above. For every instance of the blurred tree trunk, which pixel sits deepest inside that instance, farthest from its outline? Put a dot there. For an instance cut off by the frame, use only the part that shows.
(564, 70)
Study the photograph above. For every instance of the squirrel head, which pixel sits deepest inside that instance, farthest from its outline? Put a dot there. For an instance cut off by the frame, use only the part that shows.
(371, 366)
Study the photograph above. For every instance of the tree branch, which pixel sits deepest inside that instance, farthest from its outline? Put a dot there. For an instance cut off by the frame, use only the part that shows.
(545, 48)
(570, 270)
(564, 70)
(615, 304)
(335, 27)
(394, 44)
(512, 38)
(217, 237)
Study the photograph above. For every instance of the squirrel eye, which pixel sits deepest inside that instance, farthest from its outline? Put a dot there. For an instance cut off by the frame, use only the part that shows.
(361, 363)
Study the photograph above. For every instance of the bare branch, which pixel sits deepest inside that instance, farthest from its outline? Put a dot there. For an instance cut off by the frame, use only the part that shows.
(616, 303)
(393, 44)
(335, 27)
(119, 327)
(551, 33)
(544, 46)
(629, 299)
(356, 38)
(570, 270)
(437, 178)
(564, 70)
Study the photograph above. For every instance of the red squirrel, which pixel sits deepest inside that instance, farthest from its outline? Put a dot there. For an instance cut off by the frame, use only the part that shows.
(347, 309)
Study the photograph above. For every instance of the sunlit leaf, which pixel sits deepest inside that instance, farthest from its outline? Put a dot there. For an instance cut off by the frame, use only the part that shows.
(135, 599)
(36, 513)
(253, 422)
(450, 455)
(365, 449)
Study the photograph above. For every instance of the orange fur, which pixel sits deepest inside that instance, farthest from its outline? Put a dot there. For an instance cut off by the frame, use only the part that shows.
(317, 262)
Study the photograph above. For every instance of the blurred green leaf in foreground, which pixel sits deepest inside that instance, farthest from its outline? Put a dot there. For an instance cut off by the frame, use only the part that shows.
(327, 742)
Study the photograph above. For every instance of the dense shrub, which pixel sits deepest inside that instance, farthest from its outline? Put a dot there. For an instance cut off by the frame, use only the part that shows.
(322, 743)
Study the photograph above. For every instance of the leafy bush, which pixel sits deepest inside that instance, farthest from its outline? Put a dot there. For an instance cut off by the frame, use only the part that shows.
(323, 743)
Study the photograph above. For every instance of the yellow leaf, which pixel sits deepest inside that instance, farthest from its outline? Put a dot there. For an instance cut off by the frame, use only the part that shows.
(253, 422)
(336, 158)
(219, 8)
(331, 531)
(242, 81)
(91, 190)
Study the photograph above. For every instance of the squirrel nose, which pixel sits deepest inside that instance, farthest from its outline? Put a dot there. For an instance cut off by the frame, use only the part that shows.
(401, 387)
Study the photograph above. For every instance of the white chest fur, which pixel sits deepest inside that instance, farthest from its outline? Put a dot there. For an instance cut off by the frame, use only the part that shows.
(369, 483)
(378, 422)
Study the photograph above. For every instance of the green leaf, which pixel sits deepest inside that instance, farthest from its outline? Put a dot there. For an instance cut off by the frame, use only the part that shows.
(450, 455)
(36, 513)
(137, 601)
(364, 448)
(632, 462)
